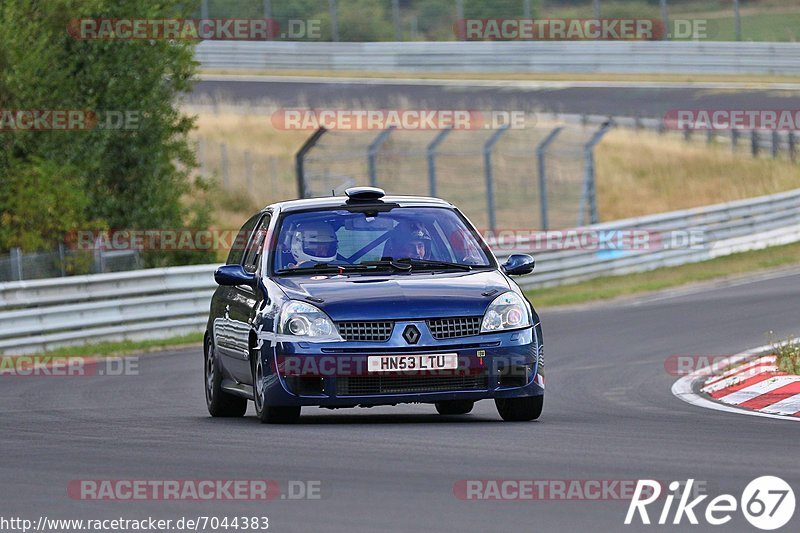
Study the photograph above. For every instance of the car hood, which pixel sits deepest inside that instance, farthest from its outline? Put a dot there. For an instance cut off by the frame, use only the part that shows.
(398, 296)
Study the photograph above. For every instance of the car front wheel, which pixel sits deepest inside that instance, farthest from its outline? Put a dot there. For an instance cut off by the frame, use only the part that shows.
(219, 402)
(520, 409)
(270, 414)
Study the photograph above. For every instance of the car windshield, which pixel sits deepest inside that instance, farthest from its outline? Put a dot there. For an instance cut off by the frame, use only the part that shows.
(361, 238)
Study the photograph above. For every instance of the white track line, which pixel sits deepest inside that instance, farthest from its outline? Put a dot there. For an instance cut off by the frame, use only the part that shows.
(733, 380)
(787, 406)
(760, 388)
(683, 389)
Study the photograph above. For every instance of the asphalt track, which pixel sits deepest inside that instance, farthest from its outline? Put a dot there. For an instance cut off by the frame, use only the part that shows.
(622, 99)
(608, 415)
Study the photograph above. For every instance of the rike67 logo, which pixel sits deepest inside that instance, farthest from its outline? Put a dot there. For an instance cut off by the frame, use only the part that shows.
(767, 503)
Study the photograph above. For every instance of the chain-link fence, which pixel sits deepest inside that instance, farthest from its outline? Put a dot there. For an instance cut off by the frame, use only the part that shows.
(502, 178)
(18, 266)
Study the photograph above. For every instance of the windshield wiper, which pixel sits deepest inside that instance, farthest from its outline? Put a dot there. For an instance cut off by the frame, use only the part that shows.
(359, 267)
(423, 263)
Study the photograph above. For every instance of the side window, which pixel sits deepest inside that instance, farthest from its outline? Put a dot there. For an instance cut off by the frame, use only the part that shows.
(240, 241)
(256, 246)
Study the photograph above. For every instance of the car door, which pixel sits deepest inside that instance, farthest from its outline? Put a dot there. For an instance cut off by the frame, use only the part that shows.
(243, 302)
(223, 330)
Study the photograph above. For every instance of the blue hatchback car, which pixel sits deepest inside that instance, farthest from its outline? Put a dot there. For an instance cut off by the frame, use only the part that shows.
(367, 300)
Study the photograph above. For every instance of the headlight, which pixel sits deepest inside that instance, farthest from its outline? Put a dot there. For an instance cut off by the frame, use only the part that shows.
(300, 319)
(507, 311)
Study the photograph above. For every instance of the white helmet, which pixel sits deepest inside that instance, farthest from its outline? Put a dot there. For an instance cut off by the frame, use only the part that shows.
(314, 241)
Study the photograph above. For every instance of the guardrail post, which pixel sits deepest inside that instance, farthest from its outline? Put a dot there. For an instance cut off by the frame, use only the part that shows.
(588, 195)
(431, 153)
(776, 142)
(16, 264)
(791, 141)
(540, 163)
(372, 155)
(299, 160)
(487, 167)
(754, 143)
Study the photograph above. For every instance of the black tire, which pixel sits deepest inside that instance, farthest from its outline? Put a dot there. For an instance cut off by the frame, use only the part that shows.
(270, 414)
(520, 409)
(454, 407)
(219, 403)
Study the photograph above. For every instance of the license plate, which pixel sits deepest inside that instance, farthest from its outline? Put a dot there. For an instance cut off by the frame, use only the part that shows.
(395, 363)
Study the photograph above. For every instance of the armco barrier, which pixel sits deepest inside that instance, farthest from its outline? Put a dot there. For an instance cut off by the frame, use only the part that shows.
(701, 57)
(42, 314)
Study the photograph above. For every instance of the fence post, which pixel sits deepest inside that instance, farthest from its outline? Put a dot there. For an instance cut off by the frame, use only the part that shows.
(16, 264)
(223, 163)
(334, 20)
(791, 141)
(398, 32)
(299, 160)
(487, 167)
(588, 194)
(754, 143)
(248, 171)
(776, 142)
(372, 155)
(709, 136)
(273, 173)
(540, 163)
(431, 152)
(62, 259)
(687, 133)
(734, 139)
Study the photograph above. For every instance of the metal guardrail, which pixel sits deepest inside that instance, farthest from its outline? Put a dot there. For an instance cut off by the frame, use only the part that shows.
(43, 314)
(703, 57)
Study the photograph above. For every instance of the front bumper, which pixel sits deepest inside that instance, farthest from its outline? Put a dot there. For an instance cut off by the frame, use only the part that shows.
(500, 365)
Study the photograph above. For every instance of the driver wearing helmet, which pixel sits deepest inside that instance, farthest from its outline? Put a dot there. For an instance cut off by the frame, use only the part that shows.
(416, 244)
(313, 243)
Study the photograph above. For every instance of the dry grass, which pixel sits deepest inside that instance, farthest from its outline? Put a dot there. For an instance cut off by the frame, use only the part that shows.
(643, 173)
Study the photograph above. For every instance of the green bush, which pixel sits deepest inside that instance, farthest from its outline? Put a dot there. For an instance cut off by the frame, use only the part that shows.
(58, 181)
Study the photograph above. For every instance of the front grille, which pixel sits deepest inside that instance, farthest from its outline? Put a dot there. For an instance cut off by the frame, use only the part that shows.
(371, 331)
(363, 385)
(449, 328)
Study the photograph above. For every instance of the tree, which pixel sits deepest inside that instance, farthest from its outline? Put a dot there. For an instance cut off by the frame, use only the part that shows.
(133, 177)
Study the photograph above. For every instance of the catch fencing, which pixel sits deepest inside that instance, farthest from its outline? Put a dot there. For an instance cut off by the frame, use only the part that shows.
(541, 177)
(39, 315)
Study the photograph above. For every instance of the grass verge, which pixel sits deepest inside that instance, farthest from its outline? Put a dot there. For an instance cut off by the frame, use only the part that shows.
(116, 349)
(609, 287)
(787, 355)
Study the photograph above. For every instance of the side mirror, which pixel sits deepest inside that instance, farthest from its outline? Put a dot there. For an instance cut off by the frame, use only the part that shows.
(518, 265)
(233, 276)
